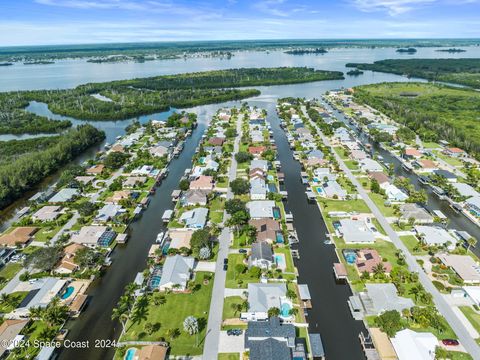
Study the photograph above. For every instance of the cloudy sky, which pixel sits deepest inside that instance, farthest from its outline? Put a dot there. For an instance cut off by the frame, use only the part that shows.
(36, 22)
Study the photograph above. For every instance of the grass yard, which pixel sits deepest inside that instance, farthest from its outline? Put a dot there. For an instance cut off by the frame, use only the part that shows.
(380, 202)
(14, 299)
(228, 312)
(216, 210)
(46, 233)
(233, 278)
(472, 316)
(449, 160)
(171, 315)
(228, 356)
(411, 242)
(9, 271)
(351, 164)
(358, 206)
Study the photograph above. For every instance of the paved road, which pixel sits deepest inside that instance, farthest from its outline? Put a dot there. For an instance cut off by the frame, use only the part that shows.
(212, 338)
(73, 220)
(443, 307)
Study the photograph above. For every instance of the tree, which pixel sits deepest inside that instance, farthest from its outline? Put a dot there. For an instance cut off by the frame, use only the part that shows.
(243, 156)
(86, 257)
(389, 322)
(173, 333)
(200, 238)
(115, 160)
(379, 270)
(291, 294)
(273, 311)
(240, 186)
(149, 328)
(375, 186)
(44, 258)
(234, 205)
(55, 313)
(236, 308)
(239, 269)
(184, 185)
(159, 299)
(293, 311)
(471, 242)
(255, 272)
(440, 353)
(238, 219)
(86, 208)
(205, 253)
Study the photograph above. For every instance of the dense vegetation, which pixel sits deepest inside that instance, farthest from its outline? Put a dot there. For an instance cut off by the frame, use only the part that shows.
(23, 173)
(459, 71)
(10, 150)
(434, 112)
(15, 120)
(306, 51)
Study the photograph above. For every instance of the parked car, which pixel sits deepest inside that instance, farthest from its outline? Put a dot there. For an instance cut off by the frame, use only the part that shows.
(242, 251)
(450, 342)
(225, 261)
(234, 332)
(225, 267)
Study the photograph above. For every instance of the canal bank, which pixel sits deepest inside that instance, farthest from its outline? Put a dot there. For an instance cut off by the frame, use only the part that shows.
(455, 220)
(95, 322)
(330, 315)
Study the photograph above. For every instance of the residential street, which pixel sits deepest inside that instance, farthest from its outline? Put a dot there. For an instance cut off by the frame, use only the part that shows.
(212, 338)
(443, 307)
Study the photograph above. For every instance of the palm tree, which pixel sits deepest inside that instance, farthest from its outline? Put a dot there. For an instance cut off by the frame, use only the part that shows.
(172, 333)
(414, 291)
(471, 242)
(236, 308)
(5, 299)
(159, 299)
(293, 311)
(148, 327)
(190, 325)
(35, 312)
(379, 269)
(273, 311)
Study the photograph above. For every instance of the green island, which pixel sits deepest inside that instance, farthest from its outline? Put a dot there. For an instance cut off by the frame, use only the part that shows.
(458, 71)
(451, 50)
(354, 72)
(306, 51)
(409, 50)
(433, 111)
(37, 158)
(130, 98)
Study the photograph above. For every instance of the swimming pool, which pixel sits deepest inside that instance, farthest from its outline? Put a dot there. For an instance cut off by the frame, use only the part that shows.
(68, 291)
(276, 213)
(280, 261)
(318, 189)
(336, 225)
(350, 256)
(165, 248)
(130, 355)
(279, 238)
(155, 277)
(285, 309)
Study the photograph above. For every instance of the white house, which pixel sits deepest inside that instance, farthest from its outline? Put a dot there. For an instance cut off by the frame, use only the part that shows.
(176, 272)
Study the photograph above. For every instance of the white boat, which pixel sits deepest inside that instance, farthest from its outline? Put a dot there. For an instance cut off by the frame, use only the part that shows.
(160, 237)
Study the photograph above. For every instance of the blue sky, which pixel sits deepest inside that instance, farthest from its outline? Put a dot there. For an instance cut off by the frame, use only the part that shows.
(36, 22)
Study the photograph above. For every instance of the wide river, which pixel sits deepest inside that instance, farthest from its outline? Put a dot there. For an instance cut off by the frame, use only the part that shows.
(330, 315)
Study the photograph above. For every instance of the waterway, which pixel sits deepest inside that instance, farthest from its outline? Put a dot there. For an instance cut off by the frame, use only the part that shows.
(455, 220)
(330, 315)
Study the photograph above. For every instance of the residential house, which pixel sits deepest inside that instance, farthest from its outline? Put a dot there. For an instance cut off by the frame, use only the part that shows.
(270, 339)
(202, 183)
(216, 141)
(449, 176)
(369, 165)
(159, 151)
(9, 332)
(258, 189)
(64, 195)
(195, 219)
(256, 150)
(464, 266)
(261, 255)
(333, 190)
(355, 231)
(455, 152)
(261, 298)
(380, 177)
(95, 169)
(256, 173)
(267, 229)
(259, 164)
(368, 260)
(67, 264)
(411, 153)
(378, 298)
(5, 255)
(435, 236)
(85, 180)
(19, 236)
(416, 212)
(93, 235)
(176, 273)
(146, 170)
(394, 194)
(473, 205)
(107, 213)
(151, 352)
(411, 345)
(117, 196)
(261, 209)
(179, 238)
(465, 190)
(358, 155)
(425, 165)
(47, 213)
(195, 197)
(133, 181)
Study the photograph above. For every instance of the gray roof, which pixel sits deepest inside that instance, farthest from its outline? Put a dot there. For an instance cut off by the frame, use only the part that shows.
(270, 349)
(195, 218)
(176, 270)
(273, 327)
(383, 297)
(435, 235)
(262, 297)
(332, 188)
(261, 251)
(45, 290)
(317, 154)
(316, 345)
(445, 173)
(261, 208)
(465, 190)
(411, 210)
(261, 164)
(64, 195)
(258, 187)
(196, 196)
(355, 231)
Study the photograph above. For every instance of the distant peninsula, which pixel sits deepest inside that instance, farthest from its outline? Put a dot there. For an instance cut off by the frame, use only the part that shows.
(355, 72)
(409, 50)
(306, 51)
(6, 64)
(452, 50)
(39, 62)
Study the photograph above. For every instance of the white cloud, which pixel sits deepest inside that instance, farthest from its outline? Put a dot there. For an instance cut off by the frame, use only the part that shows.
(393, 7)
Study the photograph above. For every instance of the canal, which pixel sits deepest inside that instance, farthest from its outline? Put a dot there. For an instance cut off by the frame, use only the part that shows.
(95, 322)
(455, 220)
(330, 315)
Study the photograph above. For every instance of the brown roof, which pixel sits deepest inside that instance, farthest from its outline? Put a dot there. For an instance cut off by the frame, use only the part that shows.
(455, 150)
(427, 164)
(72, 249)
(119, 195)
(379, 176)
(266, 229)
(256, 149)
(217, 141)
(19, 235)
(340, 269)
(78, 302)
(368, 259)
(152, 352)
(96, 169)
(8, 330)
(117, 148)
(413, 152)
(203, 183)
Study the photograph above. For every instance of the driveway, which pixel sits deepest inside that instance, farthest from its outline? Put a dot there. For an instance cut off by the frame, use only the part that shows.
(208, 266)
(231, 344)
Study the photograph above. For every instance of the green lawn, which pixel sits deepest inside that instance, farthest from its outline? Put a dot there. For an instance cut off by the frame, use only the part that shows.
(472, 316)
(239, 240)
(359, 205)
(46, 233)
(216, 210)
(431, 145)
(228, 356)
(410, 242)
(351, 164)
(380, 202)
(449, 160)
(9, 271)
(235, 280)
(14, 299)
(36, 330)
(228, 312)
(171, 315)
(378, 226)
